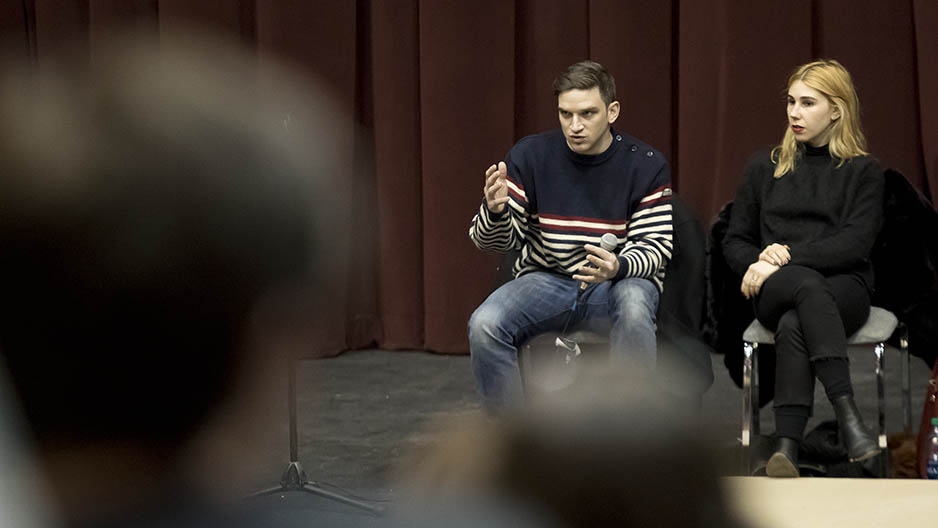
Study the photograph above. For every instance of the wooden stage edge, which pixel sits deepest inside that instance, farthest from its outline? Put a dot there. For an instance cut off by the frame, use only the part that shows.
(762, 502)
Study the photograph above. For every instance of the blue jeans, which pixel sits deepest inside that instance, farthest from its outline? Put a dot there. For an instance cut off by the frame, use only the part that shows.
(540, 302)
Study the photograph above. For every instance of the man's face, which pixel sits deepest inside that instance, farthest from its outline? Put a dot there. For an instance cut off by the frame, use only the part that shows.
(585, 120)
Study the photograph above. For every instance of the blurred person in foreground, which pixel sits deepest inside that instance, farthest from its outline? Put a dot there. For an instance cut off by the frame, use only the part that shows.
(599, 453)
(157, 223)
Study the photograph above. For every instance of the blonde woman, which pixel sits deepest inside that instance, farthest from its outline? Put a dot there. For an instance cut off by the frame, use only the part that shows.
(803, 224)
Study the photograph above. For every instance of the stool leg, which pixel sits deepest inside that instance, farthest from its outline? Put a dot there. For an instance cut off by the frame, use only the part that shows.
(879, 351)
(906, 378)
(524, 367)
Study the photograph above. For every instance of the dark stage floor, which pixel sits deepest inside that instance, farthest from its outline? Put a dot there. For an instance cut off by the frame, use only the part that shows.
(364, 417)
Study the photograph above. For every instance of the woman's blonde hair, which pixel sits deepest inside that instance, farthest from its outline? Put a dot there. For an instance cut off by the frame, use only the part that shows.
(847, 140)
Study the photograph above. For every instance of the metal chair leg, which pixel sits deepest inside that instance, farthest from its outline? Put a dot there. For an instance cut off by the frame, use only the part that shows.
(906, 378)
(756, 400)
(750, 382)
(880, 354)
(879, 351)
(748, 350)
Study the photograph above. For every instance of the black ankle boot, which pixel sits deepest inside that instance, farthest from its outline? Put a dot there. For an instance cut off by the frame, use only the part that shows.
(784, 462)
(861, 445)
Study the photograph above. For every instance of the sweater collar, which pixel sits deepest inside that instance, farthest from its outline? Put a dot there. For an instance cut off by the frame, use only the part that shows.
(823, 150)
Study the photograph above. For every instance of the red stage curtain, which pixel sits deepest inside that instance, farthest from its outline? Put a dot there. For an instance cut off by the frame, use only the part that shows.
(436, 90)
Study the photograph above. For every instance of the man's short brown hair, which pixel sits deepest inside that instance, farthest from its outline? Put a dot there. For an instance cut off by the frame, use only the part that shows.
(584, 76)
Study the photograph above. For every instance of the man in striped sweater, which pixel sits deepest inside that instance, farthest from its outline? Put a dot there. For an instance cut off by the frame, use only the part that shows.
(552, 198)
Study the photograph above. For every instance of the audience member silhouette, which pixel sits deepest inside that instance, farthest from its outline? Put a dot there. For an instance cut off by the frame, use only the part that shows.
(601, 453)
(156, 211)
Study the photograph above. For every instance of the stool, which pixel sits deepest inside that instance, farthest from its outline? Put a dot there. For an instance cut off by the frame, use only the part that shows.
(878, 328)
(552, 372)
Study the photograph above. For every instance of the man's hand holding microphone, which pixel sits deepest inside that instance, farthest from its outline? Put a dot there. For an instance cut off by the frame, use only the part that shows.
(602, 262)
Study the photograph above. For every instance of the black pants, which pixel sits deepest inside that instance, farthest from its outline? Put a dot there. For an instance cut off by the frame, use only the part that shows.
(812, 316)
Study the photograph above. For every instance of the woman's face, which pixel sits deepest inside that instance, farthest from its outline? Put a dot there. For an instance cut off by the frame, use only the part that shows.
(810, 114)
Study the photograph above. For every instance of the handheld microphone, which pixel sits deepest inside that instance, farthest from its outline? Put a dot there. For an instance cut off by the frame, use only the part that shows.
(609, 242)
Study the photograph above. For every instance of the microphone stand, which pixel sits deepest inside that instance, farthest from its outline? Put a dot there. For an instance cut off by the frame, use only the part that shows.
(294, 477)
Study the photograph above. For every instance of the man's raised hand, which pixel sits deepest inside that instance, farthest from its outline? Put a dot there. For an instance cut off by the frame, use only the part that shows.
(496, 187)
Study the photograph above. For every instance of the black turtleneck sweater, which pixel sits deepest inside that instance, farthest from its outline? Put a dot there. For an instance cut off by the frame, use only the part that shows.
(828, 215)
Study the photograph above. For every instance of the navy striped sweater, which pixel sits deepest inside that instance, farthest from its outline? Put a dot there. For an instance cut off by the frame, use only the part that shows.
(561, 200)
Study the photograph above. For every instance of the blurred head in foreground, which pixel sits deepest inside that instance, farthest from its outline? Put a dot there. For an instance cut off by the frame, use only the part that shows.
(599, 454)
(150, 202)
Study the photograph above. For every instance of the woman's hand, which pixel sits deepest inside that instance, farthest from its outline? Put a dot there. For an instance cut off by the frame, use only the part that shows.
(778, 254)
(755, 277)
